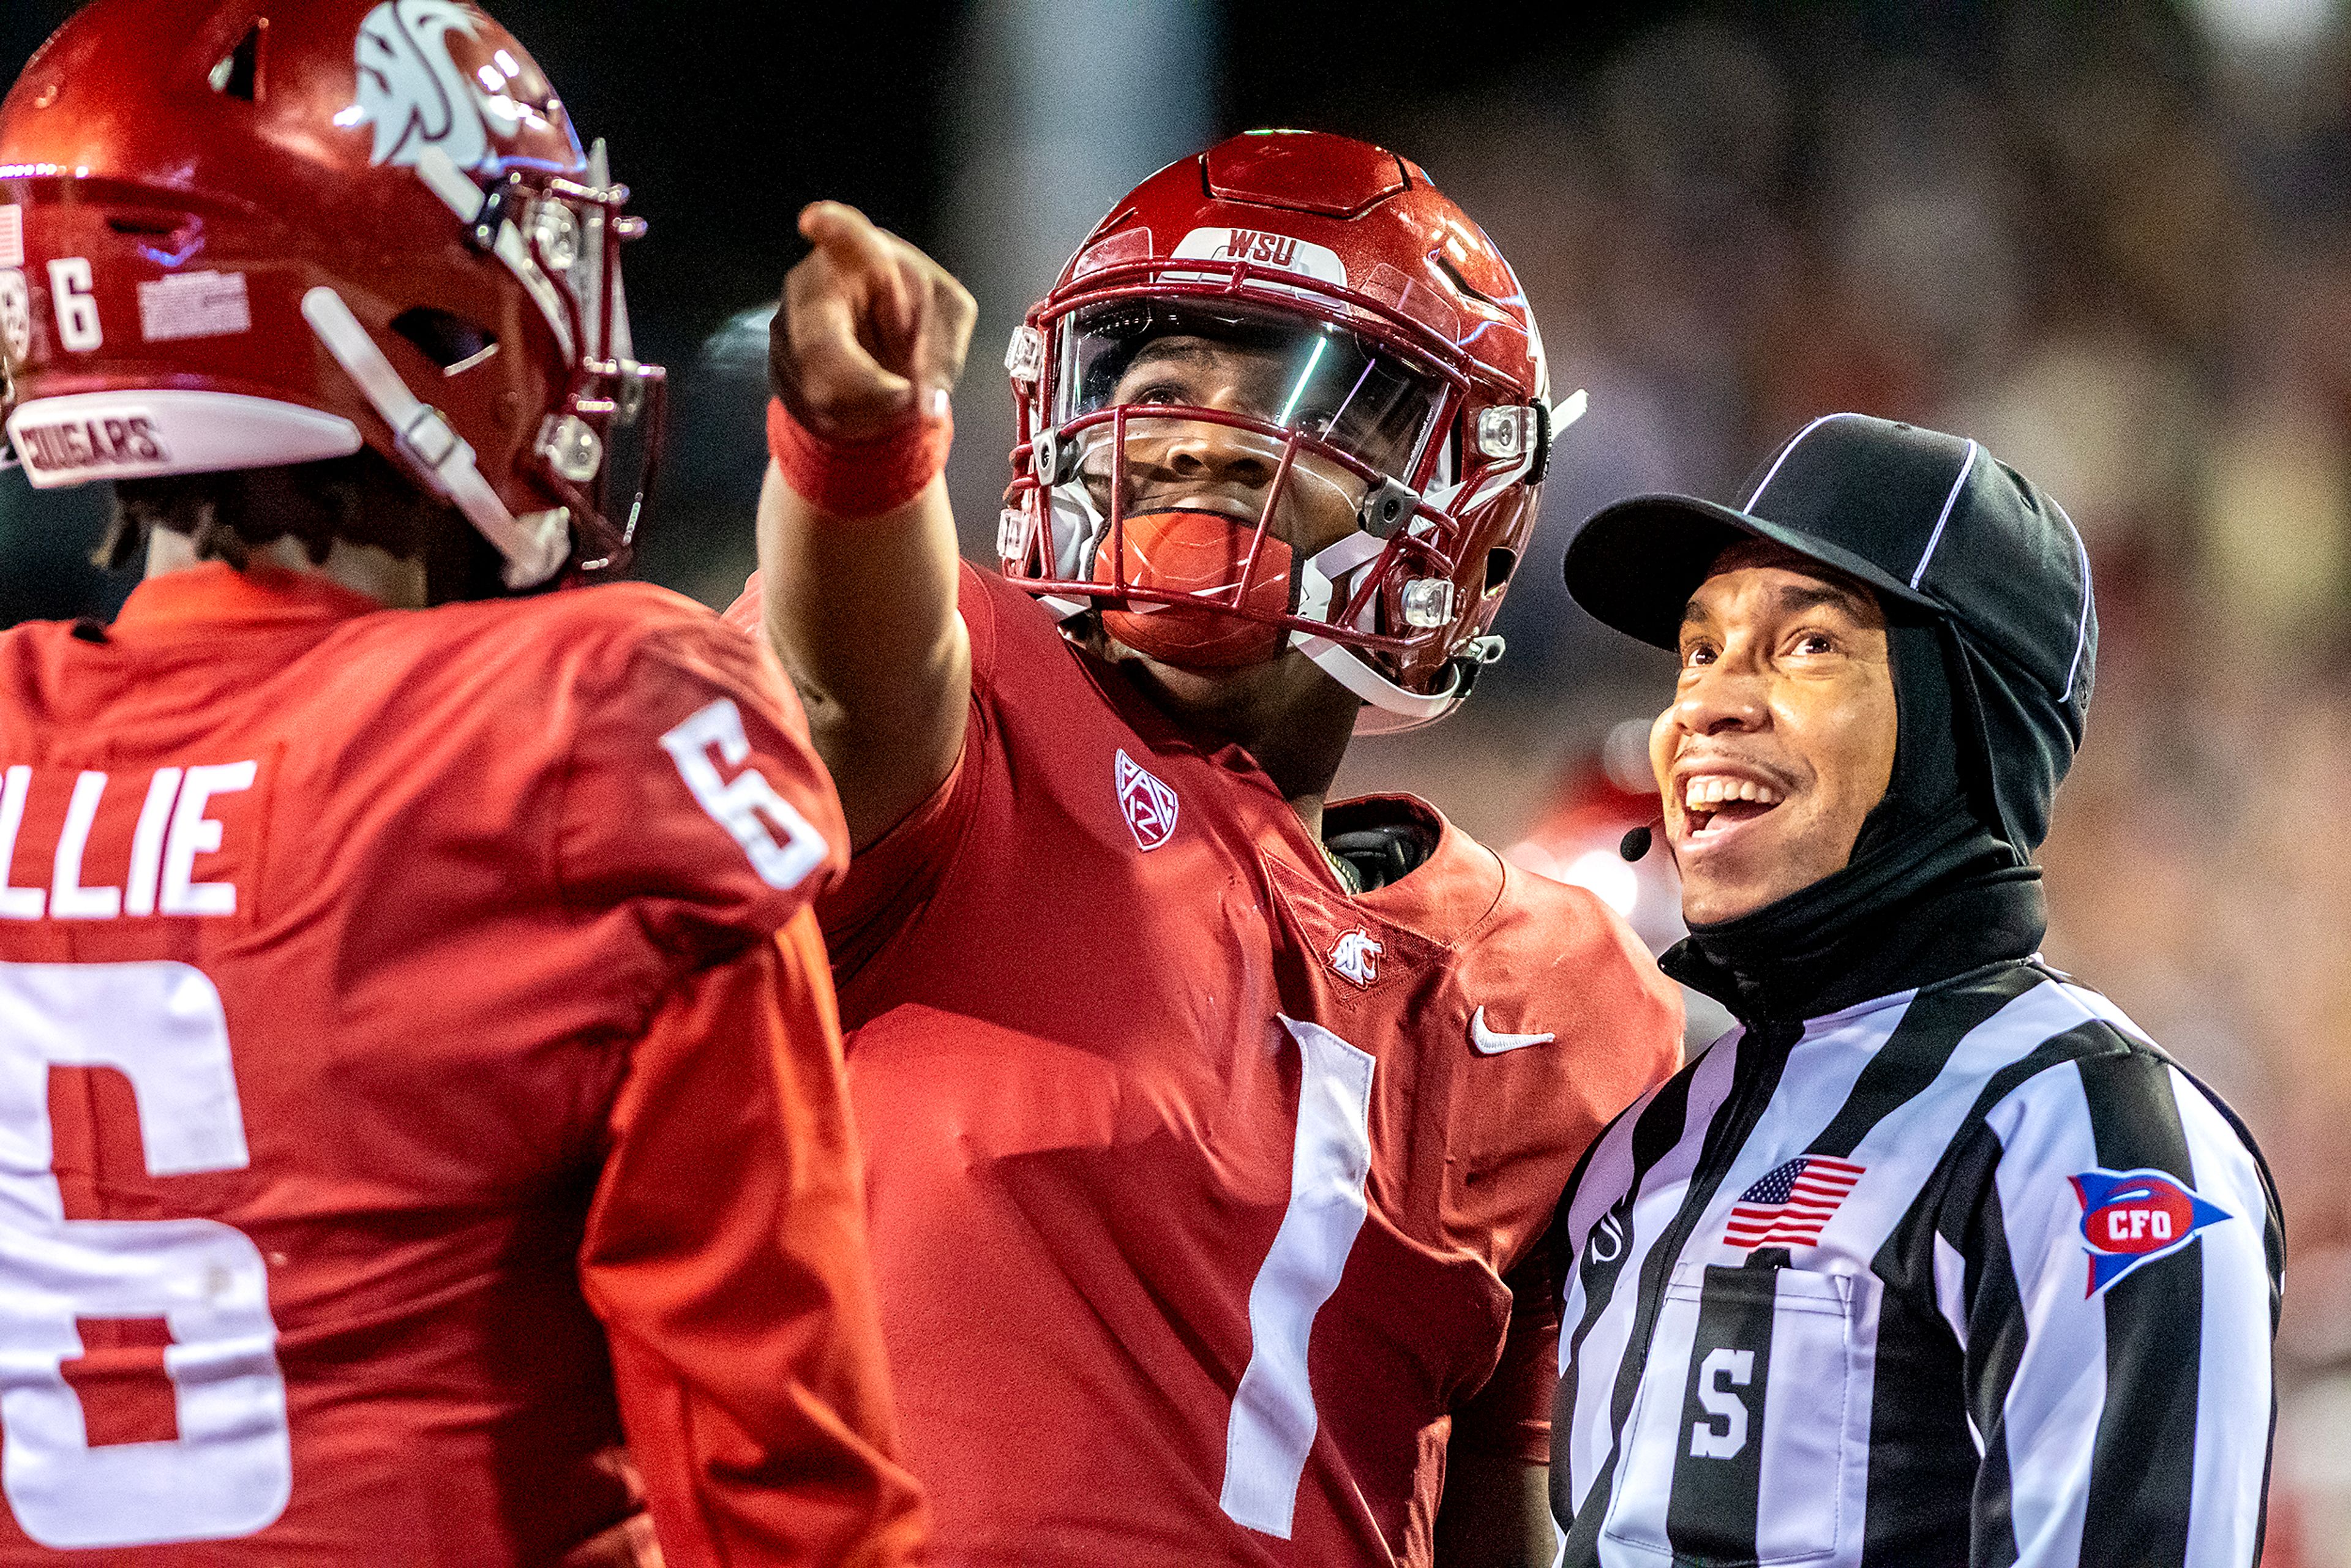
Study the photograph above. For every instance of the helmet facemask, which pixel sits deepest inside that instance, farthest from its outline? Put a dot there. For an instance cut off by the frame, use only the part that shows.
(1251, 473)
(597, 449)
(557, 228)
(1225, 477)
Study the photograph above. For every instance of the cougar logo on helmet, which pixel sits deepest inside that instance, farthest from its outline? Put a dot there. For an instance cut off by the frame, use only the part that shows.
(416, 96)
(16, 313)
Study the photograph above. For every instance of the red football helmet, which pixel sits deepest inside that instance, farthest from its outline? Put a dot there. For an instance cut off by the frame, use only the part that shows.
(1393, 368)
(236, 233)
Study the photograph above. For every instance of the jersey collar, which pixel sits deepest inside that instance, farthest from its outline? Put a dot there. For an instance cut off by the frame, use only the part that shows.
(212, 592)
(1445, 895)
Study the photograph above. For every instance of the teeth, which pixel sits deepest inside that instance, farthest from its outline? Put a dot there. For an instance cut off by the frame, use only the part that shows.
(1706, 790)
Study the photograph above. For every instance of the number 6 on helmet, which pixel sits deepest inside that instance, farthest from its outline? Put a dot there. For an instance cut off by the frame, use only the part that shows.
(209, 196)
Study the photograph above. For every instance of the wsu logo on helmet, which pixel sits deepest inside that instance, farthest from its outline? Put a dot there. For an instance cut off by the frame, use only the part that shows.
(2130, 1217)
(416, 96)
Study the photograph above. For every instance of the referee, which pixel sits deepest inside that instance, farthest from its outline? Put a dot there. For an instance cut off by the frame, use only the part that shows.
(1936, 1258)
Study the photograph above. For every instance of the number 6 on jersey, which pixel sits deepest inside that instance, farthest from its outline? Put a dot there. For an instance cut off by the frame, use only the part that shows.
(229, 1471)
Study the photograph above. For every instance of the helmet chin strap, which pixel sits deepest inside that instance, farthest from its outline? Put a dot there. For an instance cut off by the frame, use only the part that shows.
(1069, 502)
(1404, 708)
(1319, 574)
(1318, 577)
(535, 546)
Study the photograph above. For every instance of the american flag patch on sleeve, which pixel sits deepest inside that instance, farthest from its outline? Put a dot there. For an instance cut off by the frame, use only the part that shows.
(1789, 1205)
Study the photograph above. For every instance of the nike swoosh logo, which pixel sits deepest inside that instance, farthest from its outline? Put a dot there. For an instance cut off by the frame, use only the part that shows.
(1488, 1043)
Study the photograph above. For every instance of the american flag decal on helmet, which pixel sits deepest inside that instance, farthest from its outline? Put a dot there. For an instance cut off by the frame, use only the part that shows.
(1789, 1206)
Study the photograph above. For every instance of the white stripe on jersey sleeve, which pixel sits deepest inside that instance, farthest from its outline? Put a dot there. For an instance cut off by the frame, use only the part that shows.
(1605, 1176)
(1643, 1495)
(1951, 1300)
(2102, 1006)
(2232, 1392)
(1831, 1054)
(2050, 1420)
(1592, 1435)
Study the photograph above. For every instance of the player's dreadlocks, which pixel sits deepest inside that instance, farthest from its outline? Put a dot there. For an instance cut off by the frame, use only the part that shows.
(359, 498)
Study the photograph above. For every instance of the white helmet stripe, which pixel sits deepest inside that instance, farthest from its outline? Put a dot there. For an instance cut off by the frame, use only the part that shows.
(451, 184)
(534, 546)
(462, 196)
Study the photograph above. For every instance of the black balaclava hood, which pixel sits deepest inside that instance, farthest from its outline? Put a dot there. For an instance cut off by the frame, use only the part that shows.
(1933, 889)
(1992, 635)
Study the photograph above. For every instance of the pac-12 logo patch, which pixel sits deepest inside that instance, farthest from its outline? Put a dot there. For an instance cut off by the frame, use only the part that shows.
(1148, 805)
(2130, 1217)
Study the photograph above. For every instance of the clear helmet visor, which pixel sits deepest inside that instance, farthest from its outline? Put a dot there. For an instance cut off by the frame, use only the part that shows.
(1279, 372)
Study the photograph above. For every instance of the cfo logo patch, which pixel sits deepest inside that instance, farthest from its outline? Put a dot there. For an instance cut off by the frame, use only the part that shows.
(1148, 805)
(2130, 1217)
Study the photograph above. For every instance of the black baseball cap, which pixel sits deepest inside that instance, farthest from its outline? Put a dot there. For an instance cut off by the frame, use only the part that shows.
(1927, 520)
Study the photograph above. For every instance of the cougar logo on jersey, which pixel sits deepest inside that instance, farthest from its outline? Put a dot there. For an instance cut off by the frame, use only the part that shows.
(1148, 805)
(2129, 1218)
(1356, 956)
(416, 96)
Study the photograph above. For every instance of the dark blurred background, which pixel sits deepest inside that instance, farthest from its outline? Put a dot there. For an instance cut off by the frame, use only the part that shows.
(2111, 242)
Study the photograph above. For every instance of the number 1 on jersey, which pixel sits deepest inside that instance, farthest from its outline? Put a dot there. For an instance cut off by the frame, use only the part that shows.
(1273, 1420)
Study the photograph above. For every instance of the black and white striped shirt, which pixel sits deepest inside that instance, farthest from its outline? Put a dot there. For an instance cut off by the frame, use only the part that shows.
(1969, 1275)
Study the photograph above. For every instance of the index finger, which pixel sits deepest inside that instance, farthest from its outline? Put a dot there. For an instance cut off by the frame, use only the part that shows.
(856, 248)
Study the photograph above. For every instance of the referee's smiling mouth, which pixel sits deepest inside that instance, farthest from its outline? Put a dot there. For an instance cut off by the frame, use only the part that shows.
(1715, 800)
(1727, 813)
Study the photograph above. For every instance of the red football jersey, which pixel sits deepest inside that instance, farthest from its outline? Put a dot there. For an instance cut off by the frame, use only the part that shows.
(402, 1085)
(1203, 1195)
